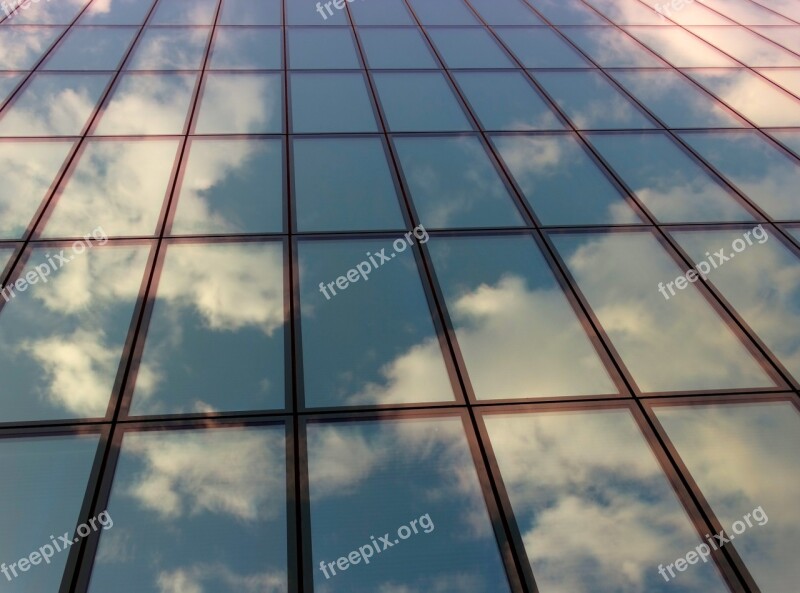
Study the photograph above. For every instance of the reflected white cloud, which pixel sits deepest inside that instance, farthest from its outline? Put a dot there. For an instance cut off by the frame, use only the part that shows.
(241, 103)
(206, 578)
(20, 48)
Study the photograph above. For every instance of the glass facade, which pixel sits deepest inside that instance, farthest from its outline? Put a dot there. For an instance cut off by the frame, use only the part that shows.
(399, 296)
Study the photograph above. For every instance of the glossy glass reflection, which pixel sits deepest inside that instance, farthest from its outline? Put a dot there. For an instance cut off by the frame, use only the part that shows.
(746, 46)
(28, 170)
(170, 48)
(115, 12)
(396, 48)
(64, 338)
(669, 182)
(344, 184)
(381, 12)
(215, 342)
(415, 473)
(681, 48)
(680, 344)
(147, 104)
(759, 169)
(592, 102)
(91, 48)
(386, 359)
(443, 12)
(117, 185)
(745, 12)
(38, 109)
(346, 107)
(503, 298)
(761, 473)
(561, 182)
(788, 37)
(453, 183)
(250, 12)
(469, 47)
(787, 79)
(247, 48)
(181, 12)
(46, 13)
(593, 473)
(231, 186)
(506, 12)
(48, 478)
(540, 47)
(627, 12)
(306, 13)
(507, 101)
(312, 48)
(8, 82)
(197, 510)
(609, 47)
(402, 94)
(568, 12)
(241, 104)
(789, 138)
(6, 252)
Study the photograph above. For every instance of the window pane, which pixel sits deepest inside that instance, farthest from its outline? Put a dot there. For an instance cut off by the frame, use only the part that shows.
(231, 186)
(115, 12)
(469, 48)
(46, 13)
(315, 48)
(443, 12)
(396, 48)
(347, 106)
(344, 184)
(181, 12)
(454, 184)
(28, 171)
(64, 338)
(540, 47)
(786, 36)
(680, 47)
(568, 12)
(47, 482)
(118, 185)
(789, 138)
(307, 13)
(250, 12)
(592, 472)
(414, 473)
(746, 46)
(386, 359)
(748, 13)
(380, 12)
(627, 12)
(402, 94)
(561, 182)
(148, 104)
(170, 48)
(8, 82)
(673, 186)
(197, 511)
(674, 344)
(91, 48)
(6, 252)
(250, 48)
(763, 172)
(692, 14)
(611, 48)
(761, 474)
(787, 79)
(215, 354)
(507, 101)
(506, 12)
(241, 104)
(496, 340)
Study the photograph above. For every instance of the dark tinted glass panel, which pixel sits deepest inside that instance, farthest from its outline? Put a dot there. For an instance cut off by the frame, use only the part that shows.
(443, 12)
(396, 48)
(170, 48)
(540, 47)
(241, 104)
(321, 13)
(469, 47)
(609, 47)
(91, 48)
(315, 48)
(789, 138)
(506, 12)
(238, 48)
(346, 107)
(250, 12)
(381, 12)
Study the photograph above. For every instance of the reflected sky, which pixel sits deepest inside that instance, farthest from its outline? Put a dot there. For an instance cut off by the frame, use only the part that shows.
(180, 12)
(744, 11)
(790, 138)
(5, 256)
(788, 37)
(91, 48)
(746, 46)
(595, 511)
(250, 12)
(757, 468)
(315, 48)
(241, 104)
(469, 47)
(347, 106)
(115, 12)
(21, 47)
(681, 48)
(215, 342)
(627, 12)
(504, 302)
(381, 12)
(370, 478)
(541, 48)
(787, 79)
(170, 48)
(675, 345)
(247, 49)
(391, 354)
(63, 339)
(396, 48)
(8, 83)
(506, 12)
(195, 511)
(62, 12)
(611, 48)
(443, 12)
(568, 12)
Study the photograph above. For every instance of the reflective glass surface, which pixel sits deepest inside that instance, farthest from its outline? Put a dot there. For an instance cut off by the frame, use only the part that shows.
(181, 12)
(91, 48)
(609, 47)
(169, 48)
(787, 79)
(237, 48)
(47, 13)
(250, 12)
(541, 48)
(313, 48)
(568, 12)
(8, 82)
(505, 12)
(115, 12)
(396, 48)
(346, 108)
(746, 46)
(680, 48)
(241, 104)
(627, 12)
(469, 47)
(443, 12)
(381, 12)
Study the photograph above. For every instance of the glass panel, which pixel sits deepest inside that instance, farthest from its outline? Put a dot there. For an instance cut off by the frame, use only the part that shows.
(64, 337)
(38, 108)
(785, 7)
(507, 101)
(773, 106)
(396, 48)
(6, 252)
(326, 12)
(788, 37)
(220, 353)
(568, 12)
(789, 138)
(691, 14)
(315, 48)
(380, 12)
(469, 48)
(402, 94)
(746, 46)
(115, 12)
(787, 79)
(414, 480)
(443, 12)
(251, 48)
(680, 48)
(657, 90)
(505, 12)
(344, 184)
(47, 482)
(197, 511)
(250, 12)
(677, 343)
(170, 48)
(8, 82)
(760, 170)
(746, 13)
(502, 303)
(386, 359)
(241, 104)
(119, 185)
(539, 47)
(148, 104)
(592, 472)
(91, 48)
(592, 102)
(627, 12)
(611, 48)
(28, 170)
(181, 12)
(347, 106)
(561, 182)
(763, 284)
(454, 184)
(669, 182)
(749, 484)
(45, 13)
(231, 186)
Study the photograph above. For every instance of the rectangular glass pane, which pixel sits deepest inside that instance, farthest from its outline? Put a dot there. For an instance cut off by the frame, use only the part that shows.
(247, 48)
(681, 48)
(469, 47)
(396, 48)
(250, 12)
(443, 12)
(347, 106)
(184, 12)
(747, 47)
(115, 12)
(91, 48)
(506, 12)
(46, 13)
(609, 47)
(170, 48)
(540, 47)
(313, 48)
(241, 104)
(381, 12)
(627, 12)
(568, 12)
